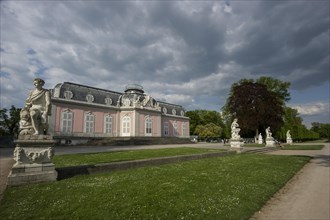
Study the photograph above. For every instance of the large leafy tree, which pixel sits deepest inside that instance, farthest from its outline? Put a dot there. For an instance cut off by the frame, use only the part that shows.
(293, 122)
(204, 117)
(322, 129)
(9, 121)
(255, 106)
(280, 88)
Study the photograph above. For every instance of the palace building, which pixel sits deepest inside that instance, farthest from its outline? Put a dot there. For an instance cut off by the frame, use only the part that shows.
(81, 113)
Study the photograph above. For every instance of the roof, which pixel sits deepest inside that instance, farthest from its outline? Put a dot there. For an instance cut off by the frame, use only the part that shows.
(83, 93)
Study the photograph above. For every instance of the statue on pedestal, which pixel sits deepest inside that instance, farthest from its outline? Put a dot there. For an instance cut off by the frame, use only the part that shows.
(34, 148)
(288, 137)
(235, 130)
(268, 133)
(270, 142)
(260, 139)
(236, 142)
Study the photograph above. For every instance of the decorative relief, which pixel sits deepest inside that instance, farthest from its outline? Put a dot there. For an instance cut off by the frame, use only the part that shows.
(173, 112)
(22, 155)
(68, 94)
(182, 113)
(126, 102)
(89, 98)
(165, 110)
(108, 101)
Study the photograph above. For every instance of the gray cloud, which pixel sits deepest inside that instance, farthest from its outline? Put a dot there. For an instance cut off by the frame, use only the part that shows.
(184, 52)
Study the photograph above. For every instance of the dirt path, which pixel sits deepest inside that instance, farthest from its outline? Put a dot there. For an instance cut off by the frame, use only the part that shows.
(307, 195)
(5, 167)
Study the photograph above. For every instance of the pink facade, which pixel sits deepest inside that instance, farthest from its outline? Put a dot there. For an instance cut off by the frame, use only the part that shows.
(84, 112)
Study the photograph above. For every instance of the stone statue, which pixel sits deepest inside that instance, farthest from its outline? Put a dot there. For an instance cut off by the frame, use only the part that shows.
(235, 130)
(268, 133)
(39, 107)
(288, 135)
(236, 142)
(270, 141)
(25, 125)
(260, 139)
(34, 148)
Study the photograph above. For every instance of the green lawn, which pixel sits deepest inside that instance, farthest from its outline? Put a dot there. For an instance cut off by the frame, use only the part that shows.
(95, 158)
(232, 187)
(302, 147)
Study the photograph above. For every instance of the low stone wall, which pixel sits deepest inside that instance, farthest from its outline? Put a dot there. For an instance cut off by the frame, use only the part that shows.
(67, 172)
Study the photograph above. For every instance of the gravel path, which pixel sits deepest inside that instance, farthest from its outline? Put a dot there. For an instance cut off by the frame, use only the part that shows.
(5, 166)
(306, 196)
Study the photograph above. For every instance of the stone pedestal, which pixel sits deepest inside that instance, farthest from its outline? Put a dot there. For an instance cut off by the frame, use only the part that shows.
(270, 142)
(33, 155)
(289, 141)
(236, 145)
(260, 141)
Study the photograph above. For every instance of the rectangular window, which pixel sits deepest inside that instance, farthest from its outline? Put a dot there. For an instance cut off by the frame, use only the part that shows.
(108, 124)
(148, 126)
(89, 123)
(184, 129)
(166, 130)
(175, 129)
(67, 119)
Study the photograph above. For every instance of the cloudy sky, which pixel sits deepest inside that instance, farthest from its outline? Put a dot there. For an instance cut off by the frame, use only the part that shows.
(183, 52)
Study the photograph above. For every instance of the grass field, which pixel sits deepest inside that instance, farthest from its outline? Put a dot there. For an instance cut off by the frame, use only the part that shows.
(107, 157)
(232, 187)
(302, 147)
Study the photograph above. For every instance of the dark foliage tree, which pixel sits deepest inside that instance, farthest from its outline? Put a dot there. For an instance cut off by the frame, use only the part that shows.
(255, 107)
(9, 123)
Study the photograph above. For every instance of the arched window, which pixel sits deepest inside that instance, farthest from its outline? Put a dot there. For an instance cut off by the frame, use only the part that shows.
(126, 129)
(108, 124)
(148, 126)
(89, 122)
(67, 121)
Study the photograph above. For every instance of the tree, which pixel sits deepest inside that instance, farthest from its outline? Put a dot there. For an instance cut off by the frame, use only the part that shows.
(255, 107)
(9, 123)
(293, 122)
(322, 129)
(279, 87)
(210, 130)
(194, 120)
(203, 117)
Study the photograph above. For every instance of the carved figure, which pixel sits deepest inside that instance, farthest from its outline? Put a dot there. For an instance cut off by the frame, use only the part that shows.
(39, 106)
(260, 139)
(25, 126)
(268, 133)
(288, 135)
(235, 129)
